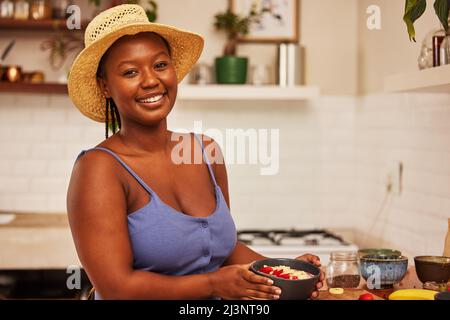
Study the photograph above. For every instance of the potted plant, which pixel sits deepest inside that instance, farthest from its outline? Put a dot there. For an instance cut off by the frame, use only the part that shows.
(231, 69)
(414, 9)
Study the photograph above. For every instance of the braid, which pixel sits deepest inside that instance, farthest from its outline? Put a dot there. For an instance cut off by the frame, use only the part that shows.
(113, 118)
(116, 111)
(111, 110)
(107, 118)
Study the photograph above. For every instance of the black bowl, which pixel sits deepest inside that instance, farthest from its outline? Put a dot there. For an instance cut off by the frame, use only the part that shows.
(433, 268)
(291, 289)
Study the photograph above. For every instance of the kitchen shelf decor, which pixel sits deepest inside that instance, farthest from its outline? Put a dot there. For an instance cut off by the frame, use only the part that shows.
(24, 87)
(35, 25)
(246, 93)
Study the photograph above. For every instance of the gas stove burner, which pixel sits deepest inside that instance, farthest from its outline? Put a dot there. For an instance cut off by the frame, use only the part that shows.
(281, 237)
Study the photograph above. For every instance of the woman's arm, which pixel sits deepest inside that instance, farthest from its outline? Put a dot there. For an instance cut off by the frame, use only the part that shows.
(96, 205)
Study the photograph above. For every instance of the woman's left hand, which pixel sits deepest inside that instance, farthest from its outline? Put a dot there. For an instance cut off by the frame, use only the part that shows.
(315, 260)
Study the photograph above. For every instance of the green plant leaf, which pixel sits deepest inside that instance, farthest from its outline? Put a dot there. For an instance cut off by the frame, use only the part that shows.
(414, 9)
(95, 2)
(441, 7)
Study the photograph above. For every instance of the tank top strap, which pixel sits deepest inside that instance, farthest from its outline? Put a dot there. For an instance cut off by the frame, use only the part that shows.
(211, 172)
(131, 171)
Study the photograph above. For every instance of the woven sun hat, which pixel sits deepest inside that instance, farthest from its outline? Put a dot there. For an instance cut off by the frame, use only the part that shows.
(107, 27)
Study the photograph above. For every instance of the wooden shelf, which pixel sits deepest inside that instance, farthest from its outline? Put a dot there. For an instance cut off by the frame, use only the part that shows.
(36, 25)
(44, 88)
(433, 80)
(246, 92)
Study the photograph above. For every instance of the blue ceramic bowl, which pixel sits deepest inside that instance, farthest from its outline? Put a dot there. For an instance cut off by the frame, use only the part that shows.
(291, 289)
(382, 269)
(378, 252)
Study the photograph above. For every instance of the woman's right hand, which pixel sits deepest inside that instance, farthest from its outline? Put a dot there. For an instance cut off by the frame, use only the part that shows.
(237, 282)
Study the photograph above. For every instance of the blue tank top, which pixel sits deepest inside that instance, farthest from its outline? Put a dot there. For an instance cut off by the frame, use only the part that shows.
(167, 241)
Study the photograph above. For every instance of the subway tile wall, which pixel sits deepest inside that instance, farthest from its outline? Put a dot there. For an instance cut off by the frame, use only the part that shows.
(335, 157)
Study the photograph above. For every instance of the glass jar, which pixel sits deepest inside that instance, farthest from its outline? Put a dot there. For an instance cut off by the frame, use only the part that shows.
(425, 59)
(447, 242)
(21, 9)
(60, 9)
(6, 9)
(444, 50)
(41, 9)
(343, 270)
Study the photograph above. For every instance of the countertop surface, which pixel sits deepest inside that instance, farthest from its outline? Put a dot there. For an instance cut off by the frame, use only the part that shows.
(36, 241)
(410, 281)
(34, 220)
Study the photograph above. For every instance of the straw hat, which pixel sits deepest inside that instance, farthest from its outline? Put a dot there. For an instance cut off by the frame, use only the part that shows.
(84, 90)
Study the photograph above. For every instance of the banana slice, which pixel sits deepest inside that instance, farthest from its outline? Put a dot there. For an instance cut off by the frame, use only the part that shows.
(336, 290)
(413, 294)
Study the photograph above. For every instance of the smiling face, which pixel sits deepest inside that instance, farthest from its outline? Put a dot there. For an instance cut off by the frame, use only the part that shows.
(137, 73)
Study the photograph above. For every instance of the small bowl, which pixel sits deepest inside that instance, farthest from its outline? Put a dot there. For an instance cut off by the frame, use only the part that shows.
(392, 269)
(291, 289)
(433, 268)
(378, 251)
(442, 296)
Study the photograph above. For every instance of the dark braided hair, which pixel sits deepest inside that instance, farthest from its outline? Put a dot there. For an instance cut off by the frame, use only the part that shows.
(111, 110)
(115, 123)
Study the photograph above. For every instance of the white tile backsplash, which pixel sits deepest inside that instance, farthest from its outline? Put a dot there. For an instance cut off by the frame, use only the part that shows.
(335, 155)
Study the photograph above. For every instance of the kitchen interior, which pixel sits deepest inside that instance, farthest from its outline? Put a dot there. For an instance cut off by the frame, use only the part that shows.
(363, 115)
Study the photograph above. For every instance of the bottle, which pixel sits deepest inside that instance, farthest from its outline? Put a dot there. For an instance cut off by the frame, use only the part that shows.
(437, 39)
(343, 270)
(21, 9)
(444, 50)
(60, 9)
(6, 9)
(41, 9)
(447, 241)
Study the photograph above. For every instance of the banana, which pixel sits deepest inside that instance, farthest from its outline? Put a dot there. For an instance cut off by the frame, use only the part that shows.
(413, 294)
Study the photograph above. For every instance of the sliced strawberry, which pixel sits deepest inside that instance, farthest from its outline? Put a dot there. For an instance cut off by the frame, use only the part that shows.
(266, 270)
(285, 276)
(277, 272)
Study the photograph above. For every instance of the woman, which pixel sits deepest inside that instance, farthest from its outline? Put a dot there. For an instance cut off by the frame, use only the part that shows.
(144, 227)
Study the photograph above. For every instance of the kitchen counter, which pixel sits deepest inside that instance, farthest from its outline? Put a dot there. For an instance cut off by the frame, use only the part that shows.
(410, 281)
(36, 241)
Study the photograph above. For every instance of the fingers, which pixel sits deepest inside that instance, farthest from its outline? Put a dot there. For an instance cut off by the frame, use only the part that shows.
(254, 278)
(315, 260)
(252, 298)
(319, 285)
(315, 295)
(322, 276)
(261, 295)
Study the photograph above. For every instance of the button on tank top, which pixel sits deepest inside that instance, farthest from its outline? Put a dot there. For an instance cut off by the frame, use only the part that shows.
(167, 241)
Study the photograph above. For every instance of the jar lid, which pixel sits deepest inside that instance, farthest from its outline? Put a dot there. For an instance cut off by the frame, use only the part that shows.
(343, 255)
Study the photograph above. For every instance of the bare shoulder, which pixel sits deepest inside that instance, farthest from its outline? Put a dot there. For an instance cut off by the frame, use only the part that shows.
(94, 181)
(95, 163)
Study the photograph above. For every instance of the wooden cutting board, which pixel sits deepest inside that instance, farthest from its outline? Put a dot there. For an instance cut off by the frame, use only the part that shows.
(349, 294)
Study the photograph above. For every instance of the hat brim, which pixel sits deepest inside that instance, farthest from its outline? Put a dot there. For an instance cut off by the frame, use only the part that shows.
(186, 48)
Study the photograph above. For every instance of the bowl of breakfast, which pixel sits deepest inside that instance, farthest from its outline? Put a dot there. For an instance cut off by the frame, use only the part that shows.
(296, 279)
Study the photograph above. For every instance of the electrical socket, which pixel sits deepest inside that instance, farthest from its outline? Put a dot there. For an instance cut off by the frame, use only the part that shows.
(394, 181)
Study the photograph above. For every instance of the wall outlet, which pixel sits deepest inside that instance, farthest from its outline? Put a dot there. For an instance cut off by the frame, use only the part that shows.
(396, 177)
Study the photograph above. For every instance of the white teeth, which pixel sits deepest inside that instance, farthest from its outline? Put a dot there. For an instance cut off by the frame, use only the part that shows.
(152, 99)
